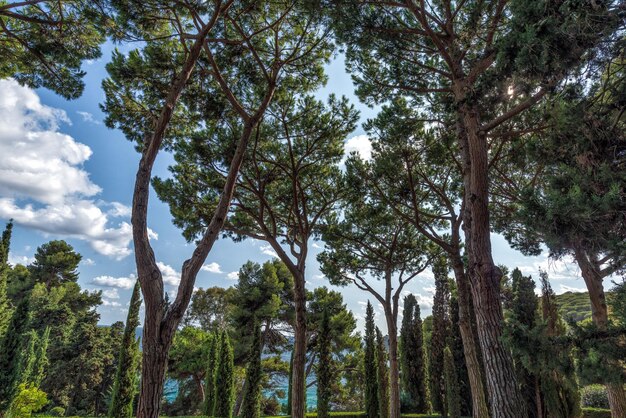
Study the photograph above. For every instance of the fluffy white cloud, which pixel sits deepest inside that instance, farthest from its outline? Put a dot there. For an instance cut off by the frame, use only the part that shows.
(88, 262)
(88, 117)
(563, 269)
(233, 275)
(268, 250)
(43, 184)
(110, 294)
(118, 282)
(20, 259)
(111, 303)
(212, 268)
(170, 276)
(361, 144)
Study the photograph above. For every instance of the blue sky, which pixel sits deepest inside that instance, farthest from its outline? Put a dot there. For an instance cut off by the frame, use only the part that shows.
(64, 175)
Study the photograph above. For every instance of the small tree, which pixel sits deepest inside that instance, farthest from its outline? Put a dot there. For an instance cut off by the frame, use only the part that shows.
(412, 358)
(324, 368)
(252, 397)
(372, 407)
(213, 363)
(224, 380)
(125, 385)
(28, 399)
(383, 374)
(453, 392)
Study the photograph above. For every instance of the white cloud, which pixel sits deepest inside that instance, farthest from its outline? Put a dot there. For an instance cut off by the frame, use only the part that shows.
(88, 262)
(565, 288)
(112, 303)
(316, 245)
(43, 184)
(361, 144)
(212, 268)
(88, 117)
(170, 276)
(110, 294)
(268, 250)
(233, 275)
(119, 210)
(563, 269)
(152, 235)
(20, 259)
(118, 282)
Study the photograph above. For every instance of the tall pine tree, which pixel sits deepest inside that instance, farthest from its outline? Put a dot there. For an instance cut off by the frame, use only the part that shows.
(224, 380)
(383, 374)
(324, 368)
(441, 325)
(372, 405)
(413, 358)
(252, 397)
(125, 386)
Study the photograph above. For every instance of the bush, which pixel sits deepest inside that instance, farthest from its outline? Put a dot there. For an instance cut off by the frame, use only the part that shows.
(57, 411)
(594, 396)
(29, 399)
(596, 413)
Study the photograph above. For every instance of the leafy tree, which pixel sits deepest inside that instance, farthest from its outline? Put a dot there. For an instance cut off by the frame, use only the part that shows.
(459, 59)
(210, 308)
(252, 396)
(45, 42)
(209, 81)
(441, 326)
(212, 365)
(453, 392)
(365, 244)
(9, 355)
(324, 370)
(125, 384)
(5, 305)
(372, 406)
(383, 374)
(28, 399)
(413, 358)
(55, 263)
(224, 380)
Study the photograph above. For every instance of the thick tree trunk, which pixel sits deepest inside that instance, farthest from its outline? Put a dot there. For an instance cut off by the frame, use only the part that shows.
(394, 367)
(504, 394)
(155, 352)
(600, 315)
(470, 348)
(298, 400)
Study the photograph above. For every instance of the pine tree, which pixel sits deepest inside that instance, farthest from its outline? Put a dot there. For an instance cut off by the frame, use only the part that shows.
(224, 381)
(413, 358)
(453, 391)
(9, 352)
(252, 397)
(372, 405)
(125, 385)
(5, 306)
(212, 361)
(441, 325)
(324, 368)
(383, 374)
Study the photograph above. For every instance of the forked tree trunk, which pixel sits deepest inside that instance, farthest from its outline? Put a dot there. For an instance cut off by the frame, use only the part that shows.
(470, 351)
(298, 392)
(600, 315)
(394, 368)
(504, 394)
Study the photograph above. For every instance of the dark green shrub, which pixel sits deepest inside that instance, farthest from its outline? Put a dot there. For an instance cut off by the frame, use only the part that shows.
(57, 411)
(594, 396)
(596, 413)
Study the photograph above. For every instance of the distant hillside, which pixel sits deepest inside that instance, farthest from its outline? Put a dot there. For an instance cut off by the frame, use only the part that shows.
(575, 306)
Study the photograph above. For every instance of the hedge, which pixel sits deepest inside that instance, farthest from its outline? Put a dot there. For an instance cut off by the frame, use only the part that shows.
(596, 413)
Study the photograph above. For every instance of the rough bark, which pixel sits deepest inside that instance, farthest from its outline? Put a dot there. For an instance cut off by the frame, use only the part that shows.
(298, 401)
(394, 367)
(504, 395)
(593, 277)
(472, 360)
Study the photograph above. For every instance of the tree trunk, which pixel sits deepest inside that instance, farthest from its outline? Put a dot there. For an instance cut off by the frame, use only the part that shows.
(394, 368)
(472, 360)
(298, 400)
(600, 315)
(153, 366)
(504, 395)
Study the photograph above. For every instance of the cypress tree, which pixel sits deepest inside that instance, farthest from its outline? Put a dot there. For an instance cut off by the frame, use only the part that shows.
(453, 391)
(41, 362)
(383, 374)
(372, 405)
(413, 358)
(455, 342)
(27, 359)
(441, 325)
(213, 360)
(224, 380)
(10, 352)
(5, 306)
(290, 387)
(252, 397)
(125, 385)
(324, 368)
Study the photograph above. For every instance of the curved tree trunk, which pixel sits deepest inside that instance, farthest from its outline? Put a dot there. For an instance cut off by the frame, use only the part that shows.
(592, 275)
(298, 400)
(472, 360)
(504, 395)
(394, 368)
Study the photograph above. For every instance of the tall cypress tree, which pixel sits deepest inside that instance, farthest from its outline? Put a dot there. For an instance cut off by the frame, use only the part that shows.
(290, 387)
(413, 358)
(27, 360)
(125, 386)
(372, 405)
(383, 374)
(224, 380)
(41, 362)
(252, 397)
(441, 325)
(213, 360)
(455, 342)
(453, 391)
(10, 352)
(5, 306)
(324, 368)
